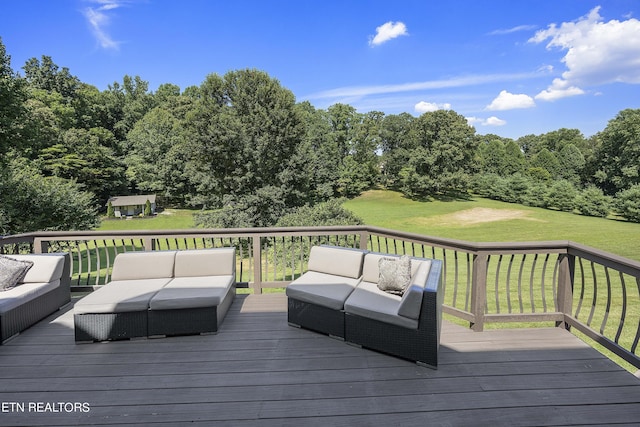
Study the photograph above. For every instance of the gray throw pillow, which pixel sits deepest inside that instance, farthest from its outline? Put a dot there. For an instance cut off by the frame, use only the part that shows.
(12, 271)
(395, 274)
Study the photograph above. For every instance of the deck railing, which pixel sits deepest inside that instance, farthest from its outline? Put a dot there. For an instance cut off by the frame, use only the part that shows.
(565, 283)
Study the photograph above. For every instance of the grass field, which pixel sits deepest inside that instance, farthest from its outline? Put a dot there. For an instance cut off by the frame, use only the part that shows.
(476, 220)
(169, 219)
(484, 220)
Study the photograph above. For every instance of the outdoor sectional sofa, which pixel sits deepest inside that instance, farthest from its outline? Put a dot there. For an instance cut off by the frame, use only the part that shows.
(339, 296)
(44, 289)
(159, 293)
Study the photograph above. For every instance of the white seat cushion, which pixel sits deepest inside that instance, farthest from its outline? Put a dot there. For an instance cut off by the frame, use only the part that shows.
(192, 292)
(323, 289)
(24, 293)
(121, 296)
(370, 302)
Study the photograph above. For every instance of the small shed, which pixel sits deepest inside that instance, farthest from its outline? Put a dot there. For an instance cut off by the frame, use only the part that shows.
(132, 205)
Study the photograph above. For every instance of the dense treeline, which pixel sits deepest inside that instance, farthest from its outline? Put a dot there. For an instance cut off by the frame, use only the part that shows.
(240, 147)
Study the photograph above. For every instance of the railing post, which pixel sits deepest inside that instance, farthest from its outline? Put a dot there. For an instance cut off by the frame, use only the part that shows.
(566, 272)
(40, 246)
(257, 264)
(149, 244)
(364, 240)
(479, 290)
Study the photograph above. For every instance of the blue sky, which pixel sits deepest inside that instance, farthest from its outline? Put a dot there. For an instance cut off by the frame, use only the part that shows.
(510, 67)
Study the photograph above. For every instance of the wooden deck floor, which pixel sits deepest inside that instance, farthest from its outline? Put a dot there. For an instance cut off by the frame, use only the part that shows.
(259, 371)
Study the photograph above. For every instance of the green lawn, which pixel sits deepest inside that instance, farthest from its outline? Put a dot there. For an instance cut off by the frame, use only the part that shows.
(390, 209)
(169, 219)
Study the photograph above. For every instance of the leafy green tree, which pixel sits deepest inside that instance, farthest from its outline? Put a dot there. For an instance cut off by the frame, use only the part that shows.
(571, 162)
(110, 211)
(396, 142)
(443, 161)
(618, 157)
(12, 112)
(546, 160)
(245, 138)
(83, 157)
(493, 157)
(32, 202)
(147, 208)
(46, 75)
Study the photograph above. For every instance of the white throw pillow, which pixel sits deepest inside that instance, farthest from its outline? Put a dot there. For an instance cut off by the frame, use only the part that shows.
(395, 274)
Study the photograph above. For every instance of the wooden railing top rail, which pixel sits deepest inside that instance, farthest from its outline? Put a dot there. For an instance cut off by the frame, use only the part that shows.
(555, 246)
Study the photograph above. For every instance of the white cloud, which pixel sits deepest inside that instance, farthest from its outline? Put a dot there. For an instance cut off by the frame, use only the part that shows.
(426, 107)
(359, 91)
(98, 19)
(491, 121)
(513, 30)
(388, 31)
(494, 121)
(597, 53)
(510, 101)
(559, 89)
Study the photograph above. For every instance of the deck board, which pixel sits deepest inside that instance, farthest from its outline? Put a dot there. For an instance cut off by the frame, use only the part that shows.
(259, 371)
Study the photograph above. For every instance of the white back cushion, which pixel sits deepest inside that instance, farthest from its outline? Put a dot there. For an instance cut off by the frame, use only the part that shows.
(143, 265)
(205, 262)
(335, 260)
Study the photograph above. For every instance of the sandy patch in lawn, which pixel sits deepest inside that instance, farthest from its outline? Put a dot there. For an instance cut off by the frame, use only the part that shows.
(477, 216)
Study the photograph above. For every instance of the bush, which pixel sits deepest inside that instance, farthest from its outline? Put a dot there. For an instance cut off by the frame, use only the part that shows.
(562, 195)
(326, 213)
(628, 203)
(593, 202)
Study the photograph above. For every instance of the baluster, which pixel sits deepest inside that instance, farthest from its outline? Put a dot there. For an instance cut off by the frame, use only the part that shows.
(623, 315)
(608, 305)
(497, 284)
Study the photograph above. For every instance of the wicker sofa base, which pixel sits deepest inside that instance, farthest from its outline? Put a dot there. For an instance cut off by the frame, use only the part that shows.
(20, 318)
(410, 344)
(189, 321)
(316, 318)
(16, 320)
(110, 326)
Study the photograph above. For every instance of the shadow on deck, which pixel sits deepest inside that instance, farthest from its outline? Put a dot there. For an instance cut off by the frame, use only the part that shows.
(259, 371)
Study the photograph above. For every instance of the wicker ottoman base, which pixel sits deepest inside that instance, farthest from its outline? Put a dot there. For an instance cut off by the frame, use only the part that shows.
(110, 326)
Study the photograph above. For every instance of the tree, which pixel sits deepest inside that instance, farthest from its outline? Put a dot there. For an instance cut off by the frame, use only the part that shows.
(571, 162)
(443, 160)
(396, 141)
(46, 75)
(245, 138)
(618, 157)
(32, 202)
(110, 211)
(147, 208)
(12, 111)
(322, 166)
(330, 212)
(546, 160)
